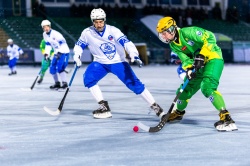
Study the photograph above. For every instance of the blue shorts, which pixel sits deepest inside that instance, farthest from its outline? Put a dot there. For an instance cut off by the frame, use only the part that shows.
(12, 62)
(180, 70)
(59, 64)
(96, 71)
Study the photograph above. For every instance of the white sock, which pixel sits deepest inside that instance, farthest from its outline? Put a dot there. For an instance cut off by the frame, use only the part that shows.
(146, 95)
(63, 76)
(13, 68)
(55, 77)
(96, 92)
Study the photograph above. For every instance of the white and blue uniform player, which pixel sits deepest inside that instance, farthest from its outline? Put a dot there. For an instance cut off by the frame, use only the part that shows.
(13, 52)
(55, 40)
(176, 60)
(107, 44)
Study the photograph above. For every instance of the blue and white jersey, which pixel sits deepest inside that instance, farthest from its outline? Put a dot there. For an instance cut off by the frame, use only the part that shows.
(13, 51)
(174, 57)
(55, 40)
(107, 47)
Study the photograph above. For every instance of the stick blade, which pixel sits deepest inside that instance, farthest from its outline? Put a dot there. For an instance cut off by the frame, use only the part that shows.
(26, 89)
(54, 113)
(143, 127)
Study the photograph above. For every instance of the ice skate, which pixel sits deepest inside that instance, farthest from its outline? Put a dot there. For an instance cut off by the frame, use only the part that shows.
(158, 110)
(102, 112)
(176, 116)
(64, 85)
(57, 85)
(12, 73)
(225, 123)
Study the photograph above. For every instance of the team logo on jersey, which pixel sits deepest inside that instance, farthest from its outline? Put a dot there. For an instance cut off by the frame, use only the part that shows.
(109, 50)
(199, 33)
(211, 98)
(110, 37)
(190, 42)
(184, 48)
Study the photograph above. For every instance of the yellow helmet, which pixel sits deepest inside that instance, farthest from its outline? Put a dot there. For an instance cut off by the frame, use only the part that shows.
(166, 23)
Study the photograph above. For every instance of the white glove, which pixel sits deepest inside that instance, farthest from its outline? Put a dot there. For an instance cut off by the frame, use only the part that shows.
(77, 60)
(137, 60)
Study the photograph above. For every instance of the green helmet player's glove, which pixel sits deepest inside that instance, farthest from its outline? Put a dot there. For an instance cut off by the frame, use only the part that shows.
(199, 61)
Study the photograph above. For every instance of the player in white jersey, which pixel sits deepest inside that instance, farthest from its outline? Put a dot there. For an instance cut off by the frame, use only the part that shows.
(176, 60)
(107, 44)
(13, 52)
(55, 40)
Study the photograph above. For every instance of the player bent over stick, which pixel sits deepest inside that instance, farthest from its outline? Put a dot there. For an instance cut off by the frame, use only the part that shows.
(107, 44)
(197, 49)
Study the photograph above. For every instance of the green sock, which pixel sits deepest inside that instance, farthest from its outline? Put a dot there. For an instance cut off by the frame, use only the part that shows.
(182, 104)
(217, 100)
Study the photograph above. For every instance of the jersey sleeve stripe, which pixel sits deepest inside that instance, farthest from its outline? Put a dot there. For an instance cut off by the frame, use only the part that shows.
(122, 40)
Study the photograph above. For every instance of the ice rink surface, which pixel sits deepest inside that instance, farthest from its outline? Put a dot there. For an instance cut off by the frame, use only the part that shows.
(31, 137)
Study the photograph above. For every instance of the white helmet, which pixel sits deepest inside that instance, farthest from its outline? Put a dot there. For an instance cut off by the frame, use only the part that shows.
(97, 14)
(10, 41)
(45, 22)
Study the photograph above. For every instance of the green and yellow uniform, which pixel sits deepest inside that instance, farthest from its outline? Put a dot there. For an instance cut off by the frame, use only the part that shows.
(197, 49)
(190, 42)
(45, 63)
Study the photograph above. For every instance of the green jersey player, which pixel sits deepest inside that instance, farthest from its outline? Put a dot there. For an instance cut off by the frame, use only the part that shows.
(202, 59)
(45, 62)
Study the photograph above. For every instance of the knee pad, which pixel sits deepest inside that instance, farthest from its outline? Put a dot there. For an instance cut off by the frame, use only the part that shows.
(89, 81)
(52, 70)
(206, 92)
(137, 88)
(208, 86)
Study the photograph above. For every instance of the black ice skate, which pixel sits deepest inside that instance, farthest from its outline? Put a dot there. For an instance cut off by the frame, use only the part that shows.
(64, 85)
(176, 116)
(225, 123)
(12, 73)
(102, 112)
(57, 85)
(158, 110)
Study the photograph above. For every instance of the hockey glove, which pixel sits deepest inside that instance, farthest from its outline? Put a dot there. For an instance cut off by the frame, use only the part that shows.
(190, 73)
(175, 59)
(199, 61)
(58, 55)
(138, 61)
(46, 57)
(77, 60)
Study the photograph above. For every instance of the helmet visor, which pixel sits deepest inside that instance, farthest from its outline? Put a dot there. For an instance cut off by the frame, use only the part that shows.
(167, 35)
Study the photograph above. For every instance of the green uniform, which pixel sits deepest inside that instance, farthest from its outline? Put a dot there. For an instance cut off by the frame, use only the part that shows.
(45, 63)
(193, 41)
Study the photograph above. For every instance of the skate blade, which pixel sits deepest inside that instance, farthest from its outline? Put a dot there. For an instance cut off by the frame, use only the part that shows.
(225, 128)
(102, 116)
